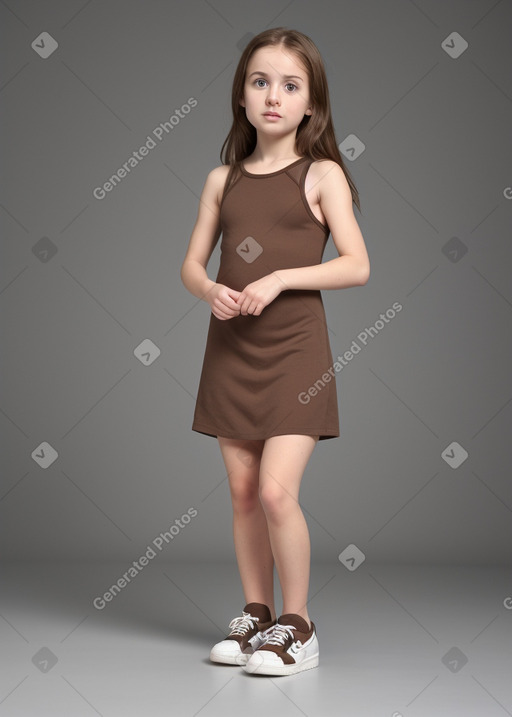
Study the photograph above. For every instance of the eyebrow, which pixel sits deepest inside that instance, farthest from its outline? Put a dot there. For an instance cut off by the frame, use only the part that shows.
(286, 77)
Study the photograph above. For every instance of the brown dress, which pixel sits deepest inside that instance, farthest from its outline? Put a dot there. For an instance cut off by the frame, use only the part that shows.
(269, 375)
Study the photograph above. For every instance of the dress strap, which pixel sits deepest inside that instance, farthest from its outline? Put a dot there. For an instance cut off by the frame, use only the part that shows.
(298, 171)
(304, 167)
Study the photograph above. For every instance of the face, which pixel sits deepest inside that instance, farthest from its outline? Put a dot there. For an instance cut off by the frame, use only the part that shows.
(277, 82)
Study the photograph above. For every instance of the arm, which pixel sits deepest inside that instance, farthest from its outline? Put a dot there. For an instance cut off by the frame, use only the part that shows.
(351, 268)
(204, 237)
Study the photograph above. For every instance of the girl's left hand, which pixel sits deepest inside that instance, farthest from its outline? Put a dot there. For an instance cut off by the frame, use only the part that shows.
(258, 294)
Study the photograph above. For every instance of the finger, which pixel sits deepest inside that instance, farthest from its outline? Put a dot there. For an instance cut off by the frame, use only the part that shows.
(245, 308)
(231, 302)
(219, 314)
(224, 315)
(225, 304)
(231, 310)
(221, 311)
(232, 293)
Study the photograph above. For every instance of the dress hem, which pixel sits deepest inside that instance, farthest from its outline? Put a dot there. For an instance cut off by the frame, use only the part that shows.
(322, 434)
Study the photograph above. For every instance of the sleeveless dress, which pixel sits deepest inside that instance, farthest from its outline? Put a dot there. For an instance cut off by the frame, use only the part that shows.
(268, 375)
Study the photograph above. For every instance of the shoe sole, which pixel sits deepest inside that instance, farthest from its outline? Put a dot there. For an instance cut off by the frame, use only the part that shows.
(308, 664)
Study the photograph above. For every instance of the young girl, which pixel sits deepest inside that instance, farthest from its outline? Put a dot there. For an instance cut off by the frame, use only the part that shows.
(267, 390)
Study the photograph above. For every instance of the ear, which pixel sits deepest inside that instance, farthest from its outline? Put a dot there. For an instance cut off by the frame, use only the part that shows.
(309, 111)
(242, 102)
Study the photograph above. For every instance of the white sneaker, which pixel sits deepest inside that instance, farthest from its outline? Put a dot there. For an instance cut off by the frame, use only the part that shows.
(247, 634)
(290, 646)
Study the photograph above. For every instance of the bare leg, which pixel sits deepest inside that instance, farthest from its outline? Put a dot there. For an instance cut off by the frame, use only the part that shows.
(250, 531)
(282, 465)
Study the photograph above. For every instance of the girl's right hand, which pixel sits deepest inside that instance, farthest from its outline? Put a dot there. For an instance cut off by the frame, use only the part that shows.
(222, 302)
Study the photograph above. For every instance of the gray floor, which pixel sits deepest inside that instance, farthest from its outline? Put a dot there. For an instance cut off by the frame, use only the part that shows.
(394, 641)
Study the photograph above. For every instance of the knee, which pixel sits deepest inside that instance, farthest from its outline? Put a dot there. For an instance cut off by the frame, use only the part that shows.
(275, 500)
(244, 493)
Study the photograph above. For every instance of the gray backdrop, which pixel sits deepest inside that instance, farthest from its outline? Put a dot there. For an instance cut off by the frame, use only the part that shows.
(102, 345)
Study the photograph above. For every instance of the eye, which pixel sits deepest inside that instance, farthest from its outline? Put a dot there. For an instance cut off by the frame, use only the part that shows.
(288, 84)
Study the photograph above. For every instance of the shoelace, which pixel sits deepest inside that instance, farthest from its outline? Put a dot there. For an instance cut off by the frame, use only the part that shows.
(277, 634)
(240, 625)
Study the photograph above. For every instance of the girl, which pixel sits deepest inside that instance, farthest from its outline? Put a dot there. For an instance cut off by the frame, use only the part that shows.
(267, 390)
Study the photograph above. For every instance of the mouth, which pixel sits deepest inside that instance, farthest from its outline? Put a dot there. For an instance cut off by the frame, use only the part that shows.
(271, 114)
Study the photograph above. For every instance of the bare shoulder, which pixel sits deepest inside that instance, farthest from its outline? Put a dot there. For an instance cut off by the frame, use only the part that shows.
(328, 173)
(325, 178)
(217, 179)
(220, 171)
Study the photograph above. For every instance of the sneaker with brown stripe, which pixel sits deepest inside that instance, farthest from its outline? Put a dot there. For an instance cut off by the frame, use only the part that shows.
(246, 635)
(289, 647)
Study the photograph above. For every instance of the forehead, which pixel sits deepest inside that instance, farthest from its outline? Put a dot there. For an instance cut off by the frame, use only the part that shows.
(276, 61)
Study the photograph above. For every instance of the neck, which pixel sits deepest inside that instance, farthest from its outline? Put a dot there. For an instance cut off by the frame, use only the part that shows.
(270, 149)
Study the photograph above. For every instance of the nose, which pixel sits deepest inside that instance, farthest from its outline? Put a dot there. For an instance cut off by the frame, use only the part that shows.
(273, 96)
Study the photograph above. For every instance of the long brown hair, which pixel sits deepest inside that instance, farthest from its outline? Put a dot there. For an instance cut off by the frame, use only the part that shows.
(315, 136)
